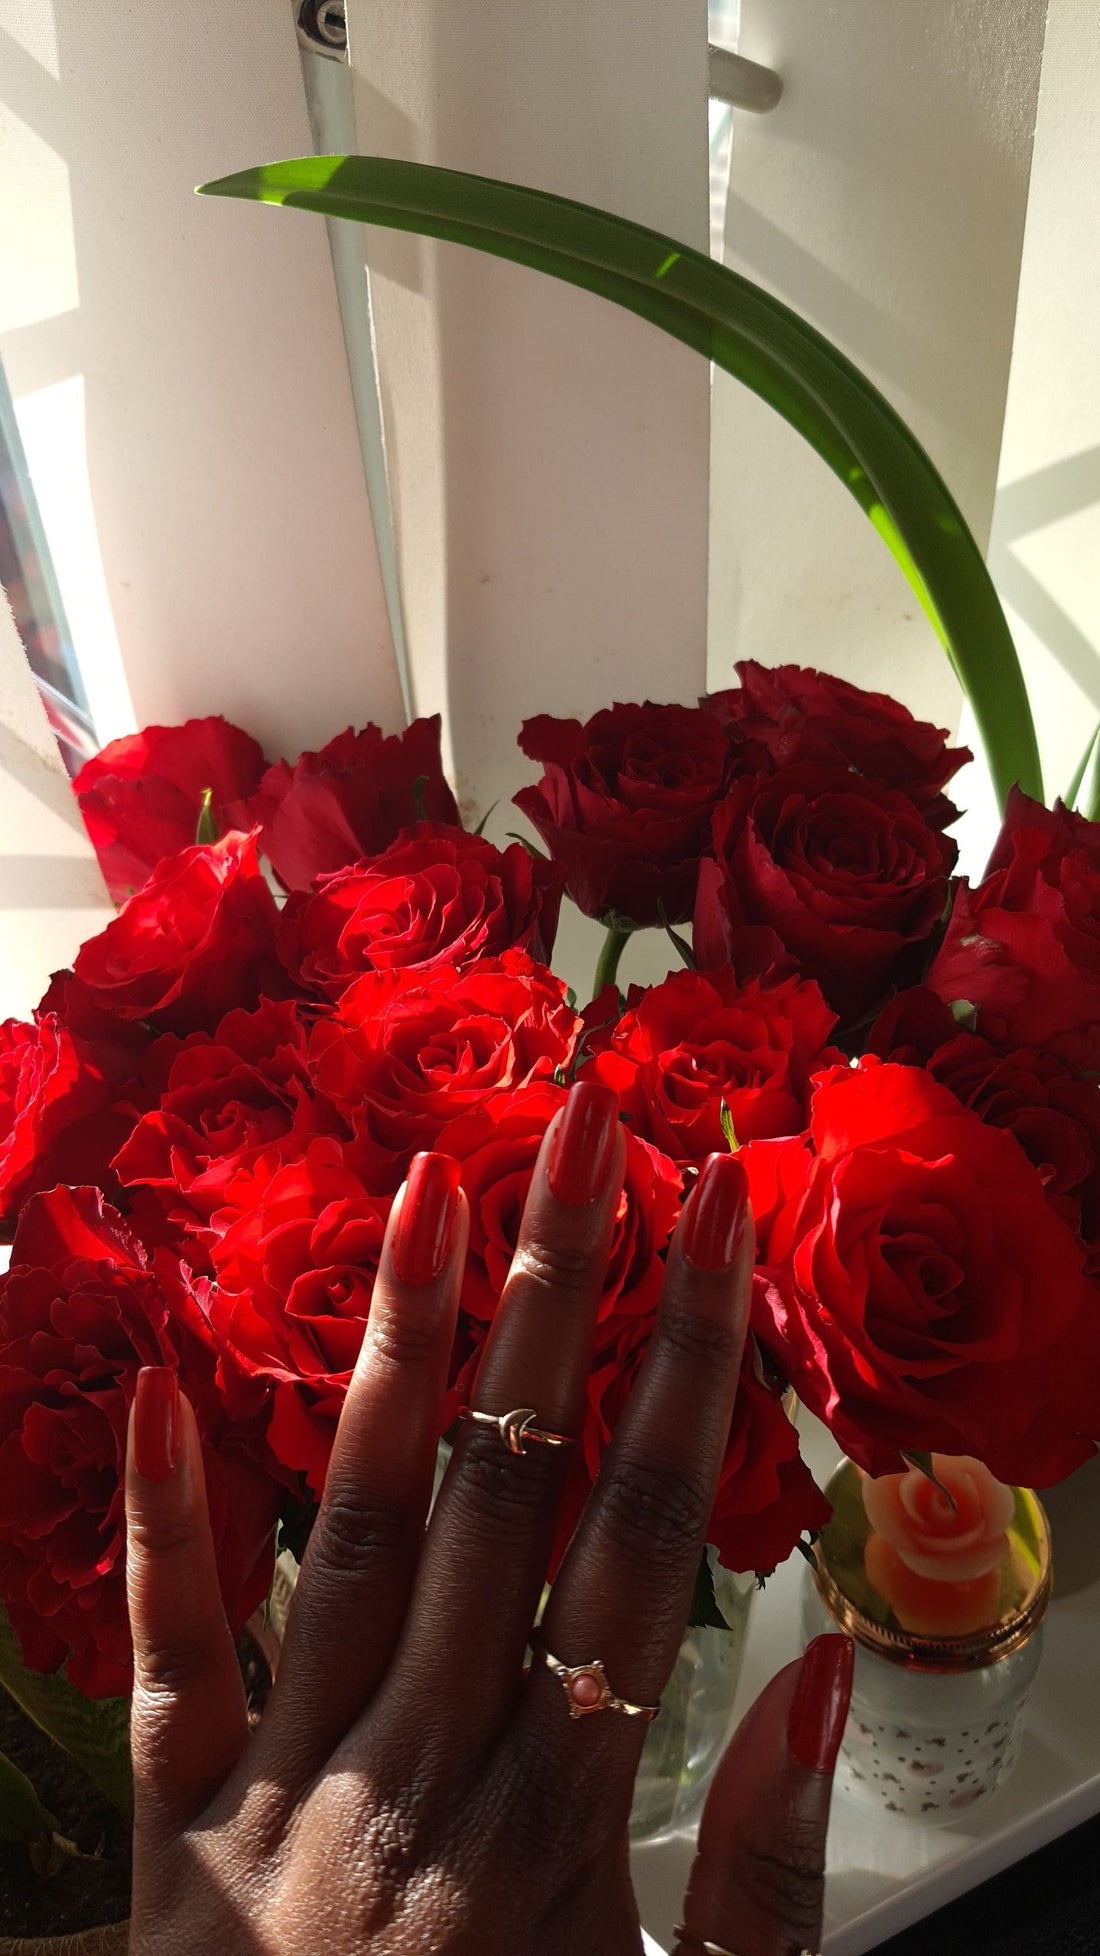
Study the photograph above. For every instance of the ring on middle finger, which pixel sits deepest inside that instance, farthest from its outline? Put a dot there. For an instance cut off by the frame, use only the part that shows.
(517, 1428)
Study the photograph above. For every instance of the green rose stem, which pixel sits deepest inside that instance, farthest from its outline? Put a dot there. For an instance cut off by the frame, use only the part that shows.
(607, 967)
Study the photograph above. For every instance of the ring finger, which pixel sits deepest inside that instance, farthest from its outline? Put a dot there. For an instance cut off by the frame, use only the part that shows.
(623, 1591)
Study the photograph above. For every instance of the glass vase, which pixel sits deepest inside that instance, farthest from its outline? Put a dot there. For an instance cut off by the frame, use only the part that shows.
(683, 1746)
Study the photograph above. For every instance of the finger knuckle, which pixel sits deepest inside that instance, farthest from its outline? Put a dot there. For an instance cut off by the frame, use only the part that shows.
(357, 1533)
(506, 1491)
(562, 1269)
(786, 1880)
(161, 1537)
(701, 1341)
(402, 1338)
(652, 1511)
(164, 1672)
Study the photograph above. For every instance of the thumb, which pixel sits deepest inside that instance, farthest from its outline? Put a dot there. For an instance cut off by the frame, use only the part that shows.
(758, 1880)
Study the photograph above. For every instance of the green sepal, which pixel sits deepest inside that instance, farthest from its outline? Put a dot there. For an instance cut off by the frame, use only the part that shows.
(705, 1613)
(207, 829)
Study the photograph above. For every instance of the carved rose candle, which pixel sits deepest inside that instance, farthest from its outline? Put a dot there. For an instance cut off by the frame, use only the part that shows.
(942, 1584)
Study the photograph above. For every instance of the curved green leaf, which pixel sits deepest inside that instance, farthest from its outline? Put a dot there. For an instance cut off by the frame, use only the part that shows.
(751, 335)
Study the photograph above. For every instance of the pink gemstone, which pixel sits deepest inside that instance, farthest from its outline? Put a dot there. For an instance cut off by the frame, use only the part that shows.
(585, 1689)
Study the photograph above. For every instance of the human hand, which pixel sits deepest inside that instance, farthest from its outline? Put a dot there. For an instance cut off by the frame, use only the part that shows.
(409, 1788)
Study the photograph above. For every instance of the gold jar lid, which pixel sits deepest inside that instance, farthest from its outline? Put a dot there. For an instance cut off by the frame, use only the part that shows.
(1019, 1596)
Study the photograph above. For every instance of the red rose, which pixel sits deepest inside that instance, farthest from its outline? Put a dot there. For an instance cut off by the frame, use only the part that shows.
(437, 896)
(409, 1051)
(497, 1146)
(845, 871)
(700, 1040)
(141, 797)
(624, 805)
(225, 1098)
(766, 1497)
(1024, 947)
(81, 1309)
(790, 714)
(56, 1090)
(350, 799)
(295, 1255)
(1038, 1096)
(197, 940)
(922, 1294)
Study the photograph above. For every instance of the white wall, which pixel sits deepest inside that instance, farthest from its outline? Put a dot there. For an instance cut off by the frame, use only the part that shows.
(179, 370)
(1045, 551)
(883, 199)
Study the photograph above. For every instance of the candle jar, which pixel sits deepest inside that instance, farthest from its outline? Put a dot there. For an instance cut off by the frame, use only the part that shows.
(937, 1713)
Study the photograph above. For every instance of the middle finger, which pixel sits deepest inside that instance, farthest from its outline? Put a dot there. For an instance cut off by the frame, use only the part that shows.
(484, 1562)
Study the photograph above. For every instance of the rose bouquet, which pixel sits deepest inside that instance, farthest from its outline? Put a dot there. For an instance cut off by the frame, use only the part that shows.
(316, 971)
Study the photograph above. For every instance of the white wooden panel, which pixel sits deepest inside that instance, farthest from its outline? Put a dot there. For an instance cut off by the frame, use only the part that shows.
(51, 893)
(547, 451)
(884, 199)
(1045, 553)
(193, 353)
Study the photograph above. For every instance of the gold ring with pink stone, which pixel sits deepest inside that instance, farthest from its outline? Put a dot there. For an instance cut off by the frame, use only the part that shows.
(587, 1690)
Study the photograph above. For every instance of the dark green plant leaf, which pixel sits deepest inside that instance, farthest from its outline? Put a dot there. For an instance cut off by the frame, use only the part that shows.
(728, 1130)
(529, 846)
(93, 1731)
(491, 810)
(679, 943)
(22, 1815)
(705, 1613)
(750, 335)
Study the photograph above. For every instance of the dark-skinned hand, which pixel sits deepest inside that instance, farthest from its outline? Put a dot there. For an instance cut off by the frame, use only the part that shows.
(413, 1786)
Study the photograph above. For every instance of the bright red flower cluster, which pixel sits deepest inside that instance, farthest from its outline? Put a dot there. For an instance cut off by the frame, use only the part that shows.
(203, 1129)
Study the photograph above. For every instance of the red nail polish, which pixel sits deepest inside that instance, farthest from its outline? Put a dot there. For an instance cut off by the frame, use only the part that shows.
(156, 1422)
(819, 1708)
(425, 1225)
(717, 1214)
(584, 1141)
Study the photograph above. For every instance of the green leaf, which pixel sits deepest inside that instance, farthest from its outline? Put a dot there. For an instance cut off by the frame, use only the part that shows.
(1083, 792)
(726, 1118)
(207, 830)
(704, 1613)
(750, 335)
(491, 810)
(419, 787)
(22, 1815)
(529, 846)
(93, 1731)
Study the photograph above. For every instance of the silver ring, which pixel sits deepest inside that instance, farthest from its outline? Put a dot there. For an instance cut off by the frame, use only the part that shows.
(516, 1427)
(680, 1934)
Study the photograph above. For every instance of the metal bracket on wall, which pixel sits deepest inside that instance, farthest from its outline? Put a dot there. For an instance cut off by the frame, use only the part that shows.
(323, 28)
(744, 84)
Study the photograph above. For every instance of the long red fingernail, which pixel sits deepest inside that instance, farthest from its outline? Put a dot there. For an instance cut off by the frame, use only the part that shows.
(583, 1144)
(819, 1708)
(156, 1422)
(425, 1225)
(717, 1215)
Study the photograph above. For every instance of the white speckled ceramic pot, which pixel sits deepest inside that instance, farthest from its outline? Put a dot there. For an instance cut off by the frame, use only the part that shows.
(935, 1721)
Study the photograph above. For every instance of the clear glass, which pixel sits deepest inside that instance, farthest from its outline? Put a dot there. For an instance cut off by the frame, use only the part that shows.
(683, 1746)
